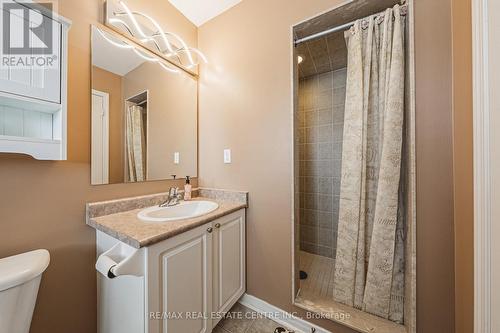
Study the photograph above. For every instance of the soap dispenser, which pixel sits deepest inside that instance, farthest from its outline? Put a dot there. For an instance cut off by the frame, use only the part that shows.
(187, 189)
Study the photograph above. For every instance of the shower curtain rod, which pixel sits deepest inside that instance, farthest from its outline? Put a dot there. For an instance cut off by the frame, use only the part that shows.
(342, 27)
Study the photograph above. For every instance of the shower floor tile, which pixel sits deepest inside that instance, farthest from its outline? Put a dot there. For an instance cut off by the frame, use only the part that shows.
(320, 271)
(316, 296)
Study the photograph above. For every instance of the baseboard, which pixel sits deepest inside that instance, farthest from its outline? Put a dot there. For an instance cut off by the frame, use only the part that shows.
(280, 316)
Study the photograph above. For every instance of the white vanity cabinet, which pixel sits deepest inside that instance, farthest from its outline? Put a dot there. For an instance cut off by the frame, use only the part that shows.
(187, 279)
(33, 98)
(229, 279)
(180, 282)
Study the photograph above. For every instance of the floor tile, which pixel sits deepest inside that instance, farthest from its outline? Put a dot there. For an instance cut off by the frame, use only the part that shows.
(263, 325)
(238, 320)
(241, 319)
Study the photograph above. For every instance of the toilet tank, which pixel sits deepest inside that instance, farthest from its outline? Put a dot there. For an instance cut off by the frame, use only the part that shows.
(20, 277)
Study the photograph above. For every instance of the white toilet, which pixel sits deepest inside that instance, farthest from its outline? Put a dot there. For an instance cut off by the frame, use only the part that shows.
(20, 277)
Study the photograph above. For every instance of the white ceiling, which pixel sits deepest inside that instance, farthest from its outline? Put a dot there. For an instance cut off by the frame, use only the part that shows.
(201, 11)
(111, 58)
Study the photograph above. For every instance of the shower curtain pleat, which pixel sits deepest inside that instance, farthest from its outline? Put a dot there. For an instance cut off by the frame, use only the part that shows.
(135, 143)
(350, 256)
(369, 268)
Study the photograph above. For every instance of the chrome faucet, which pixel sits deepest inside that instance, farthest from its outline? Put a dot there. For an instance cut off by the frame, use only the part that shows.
(173, 199)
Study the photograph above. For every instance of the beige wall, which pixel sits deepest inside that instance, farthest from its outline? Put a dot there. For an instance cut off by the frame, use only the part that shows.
(43, 203)
(172, 119)
(434, 120)
(463, 166)
(111, 83)
(246, 105)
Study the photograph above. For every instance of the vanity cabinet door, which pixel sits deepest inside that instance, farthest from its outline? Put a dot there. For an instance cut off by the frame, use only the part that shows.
(229, 261)
(186, 281)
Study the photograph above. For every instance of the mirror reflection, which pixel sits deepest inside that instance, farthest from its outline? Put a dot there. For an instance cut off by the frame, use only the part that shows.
(144, 114)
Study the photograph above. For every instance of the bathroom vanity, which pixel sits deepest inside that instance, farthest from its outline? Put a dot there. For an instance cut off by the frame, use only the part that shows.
(180, 275)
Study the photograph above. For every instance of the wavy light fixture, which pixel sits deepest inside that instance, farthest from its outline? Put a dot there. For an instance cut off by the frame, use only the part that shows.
(125, 45)
(160, 39)
(112, 42)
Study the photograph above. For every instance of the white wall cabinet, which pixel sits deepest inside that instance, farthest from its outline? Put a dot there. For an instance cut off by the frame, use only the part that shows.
(41, 82)
(33, 100)
(186, 280)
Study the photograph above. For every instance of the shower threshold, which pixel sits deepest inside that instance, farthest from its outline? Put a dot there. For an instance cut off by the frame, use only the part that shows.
(347, 316)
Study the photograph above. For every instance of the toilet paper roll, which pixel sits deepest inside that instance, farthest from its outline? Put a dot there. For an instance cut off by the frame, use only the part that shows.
(104, 264)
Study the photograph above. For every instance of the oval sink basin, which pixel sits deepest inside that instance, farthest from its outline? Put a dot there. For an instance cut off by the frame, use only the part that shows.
(184, 210)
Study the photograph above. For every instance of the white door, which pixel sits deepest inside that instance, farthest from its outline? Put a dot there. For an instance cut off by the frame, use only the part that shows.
(185, 283)
(492, 53)
(229, 261)
(486, 44)
(100, 138)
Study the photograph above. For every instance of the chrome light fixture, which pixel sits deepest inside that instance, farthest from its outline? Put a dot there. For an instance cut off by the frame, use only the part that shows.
(168, 44)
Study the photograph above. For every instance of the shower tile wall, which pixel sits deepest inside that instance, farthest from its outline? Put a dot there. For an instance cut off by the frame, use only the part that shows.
(321, 122)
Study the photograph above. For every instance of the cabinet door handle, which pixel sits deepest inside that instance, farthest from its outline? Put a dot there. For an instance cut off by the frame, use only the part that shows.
(217, 225)
(210, 230)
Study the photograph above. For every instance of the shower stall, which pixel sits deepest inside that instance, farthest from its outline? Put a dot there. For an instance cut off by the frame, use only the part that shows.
(354, 160)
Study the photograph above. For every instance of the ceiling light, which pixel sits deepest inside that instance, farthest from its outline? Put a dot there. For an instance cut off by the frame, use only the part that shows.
(300, 59)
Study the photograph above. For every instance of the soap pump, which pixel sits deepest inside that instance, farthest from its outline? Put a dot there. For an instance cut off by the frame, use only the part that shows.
(187, 189)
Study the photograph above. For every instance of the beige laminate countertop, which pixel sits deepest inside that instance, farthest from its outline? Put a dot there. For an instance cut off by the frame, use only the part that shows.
(128, 228)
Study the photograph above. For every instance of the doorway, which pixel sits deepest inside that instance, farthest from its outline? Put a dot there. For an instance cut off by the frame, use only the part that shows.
(100, 138)
(354, 223)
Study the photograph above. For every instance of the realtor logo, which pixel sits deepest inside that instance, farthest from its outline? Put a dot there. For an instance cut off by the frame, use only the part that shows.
(27, 35)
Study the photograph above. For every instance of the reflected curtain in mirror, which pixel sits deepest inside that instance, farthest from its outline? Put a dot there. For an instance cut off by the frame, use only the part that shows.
(136, 143)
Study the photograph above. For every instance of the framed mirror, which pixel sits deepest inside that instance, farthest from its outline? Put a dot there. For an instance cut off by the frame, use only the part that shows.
(144, 114)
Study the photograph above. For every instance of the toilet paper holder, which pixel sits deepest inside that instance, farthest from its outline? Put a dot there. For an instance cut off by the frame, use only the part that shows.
(121, 260)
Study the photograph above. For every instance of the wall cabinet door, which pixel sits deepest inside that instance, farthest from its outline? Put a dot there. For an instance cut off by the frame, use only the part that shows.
(229, 261)
(186, 281)
(41, 82)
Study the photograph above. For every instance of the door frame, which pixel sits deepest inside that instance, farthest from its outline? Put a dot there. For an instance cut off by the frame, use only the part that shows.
(105, 134)
(482, 167)
(411, 291)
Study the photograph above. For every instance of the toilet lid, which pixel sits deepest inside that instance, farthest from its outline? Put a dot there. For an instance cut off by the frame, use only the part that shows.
(22, 268)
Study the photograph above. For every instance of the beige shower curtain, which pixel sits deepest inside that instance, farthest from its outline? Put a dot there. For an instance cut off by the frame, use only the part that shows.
(135, 143)
(369, 268)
